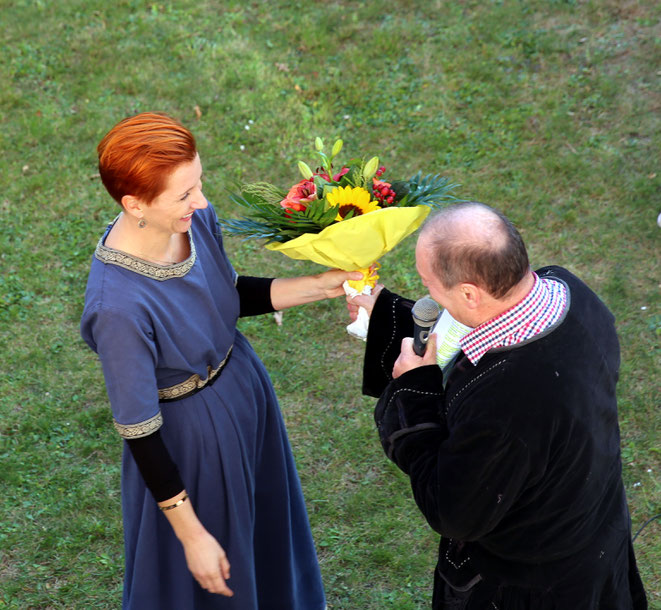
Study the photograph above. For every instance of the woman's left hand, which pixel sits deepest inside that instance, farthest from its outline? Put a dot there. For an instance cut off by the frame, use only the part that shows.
(289, 292)
(330, 282)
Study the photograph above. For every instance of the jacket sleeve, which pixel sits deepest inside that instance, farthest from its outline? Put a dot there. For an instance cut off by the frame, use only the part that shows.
(465, 477)
(390, 322)
(409, 405)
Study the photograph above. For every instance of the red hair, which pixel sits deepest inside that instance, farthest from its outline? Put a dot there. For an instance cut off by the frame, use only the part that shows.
(138, 154)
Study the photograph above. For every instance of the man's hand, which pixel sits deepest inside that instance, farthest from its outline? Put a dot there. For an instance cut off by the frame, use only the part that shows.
(366, 301)
(409, 360)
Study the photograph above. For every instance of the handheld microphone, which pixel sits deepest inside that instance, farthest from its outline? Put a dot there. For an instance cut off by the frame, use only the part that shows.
(425, 313)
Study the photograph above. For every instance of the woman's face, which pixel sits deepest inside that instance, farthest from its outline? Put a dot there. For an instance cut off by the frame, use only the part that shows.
(172, 211)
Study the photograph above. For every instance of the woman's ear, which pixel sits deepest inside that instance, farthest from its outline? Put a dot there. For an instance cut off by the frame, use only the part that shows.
(133, 206)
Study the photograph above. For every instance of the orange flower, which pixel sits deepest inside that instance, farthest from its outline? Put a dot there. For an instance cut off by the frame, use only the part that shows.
(300, 195)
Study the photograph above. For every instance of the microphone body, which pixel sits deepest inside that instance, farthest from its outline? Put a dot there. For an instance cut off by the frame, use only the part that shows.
(425, 312)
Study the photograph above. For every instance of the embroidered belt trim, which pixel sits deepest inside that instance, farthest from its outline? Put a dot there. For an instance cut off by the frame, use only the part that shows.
(190, 386)
(193, 384)
(144, 428)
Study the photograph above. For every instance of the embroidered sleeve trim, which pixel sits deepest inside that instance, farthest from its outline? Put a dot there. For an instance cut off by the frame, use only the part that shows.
(144, 428)
(388, 373)
(194, 382)
(143, 267)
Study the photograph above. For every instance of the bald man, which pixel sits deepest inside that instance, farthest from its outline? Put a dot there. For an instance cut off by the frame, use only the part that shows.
(513, 449)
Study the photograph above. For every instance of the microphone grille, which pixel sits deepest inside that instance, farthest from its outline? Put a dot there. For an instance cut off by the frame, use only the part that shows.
(426, 309)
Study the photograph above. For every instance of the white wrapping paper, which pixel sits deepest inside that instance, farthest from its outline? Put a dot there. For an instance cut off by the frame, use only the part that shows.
(358, 328)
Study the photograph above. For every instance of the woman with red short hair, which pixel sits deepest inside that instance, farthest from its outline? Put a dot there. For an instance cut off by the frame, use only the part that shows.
(208, 478)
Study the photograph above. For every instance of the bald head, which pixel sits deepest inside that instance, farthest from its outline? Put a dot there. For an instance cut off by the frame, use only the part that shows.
(473, 243)
(469, 225)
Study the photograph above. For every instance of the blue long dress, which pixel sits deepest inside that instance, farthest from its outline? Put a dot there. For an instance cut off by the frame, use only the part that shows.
(160, 331)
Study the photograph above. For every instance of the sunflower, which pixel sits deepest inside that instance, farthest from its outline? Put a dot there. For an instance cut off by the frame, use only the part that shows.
(351, 199)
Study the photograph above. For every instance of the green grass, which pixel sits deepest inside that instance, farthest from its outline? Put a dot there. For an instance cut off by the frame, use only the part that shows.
(548, 110)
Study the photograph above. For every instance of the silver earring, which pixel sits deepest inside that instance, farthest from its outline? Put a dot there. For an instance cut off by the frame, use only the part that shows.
(142, 223)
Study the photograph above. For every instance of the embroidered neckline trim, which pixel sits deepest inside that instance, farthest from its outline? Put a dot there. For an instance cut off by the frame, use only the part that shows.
(143, 267)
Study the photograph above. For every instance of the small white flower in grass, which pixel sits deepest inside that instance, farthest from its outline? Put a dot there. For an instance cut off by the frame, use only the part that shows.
(638, 484)
(246, 127)
(250, 121)
(658, 219)
(242, 147)
(649, 470)
(346, 117)
(643, 308)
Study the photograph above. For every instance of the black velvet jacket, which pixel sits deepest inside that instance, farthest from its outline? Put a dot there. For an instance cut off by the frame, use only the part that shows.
(515, 461)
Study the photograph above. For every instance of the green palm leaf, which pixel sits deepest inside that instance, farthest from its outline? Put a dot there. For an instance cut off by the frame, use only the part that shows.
(266, 220)
(432, 190)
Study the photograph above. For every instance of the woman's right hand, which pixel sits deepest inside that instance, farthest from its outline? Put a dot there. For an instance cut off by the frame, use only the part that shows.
(205, 558)
(208, 563)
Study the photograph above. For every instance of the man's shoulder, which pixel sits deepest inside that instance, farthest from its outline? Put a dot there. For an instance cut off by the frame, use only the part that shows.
(557, 272)
(582, 300)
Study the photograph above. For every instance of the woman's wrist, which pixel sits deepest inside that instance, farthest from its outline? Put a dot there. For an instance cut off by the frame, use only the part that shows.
(289, 292)
(187, 527)
(174, 504)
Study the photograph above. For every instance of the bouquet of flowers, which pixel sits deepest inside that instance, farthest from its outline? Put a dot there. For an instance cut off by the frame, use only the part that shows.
(344, 219)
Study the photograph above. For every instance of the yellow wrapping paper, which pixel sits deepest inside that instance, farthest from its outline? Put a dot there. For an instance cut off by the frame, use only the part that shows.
(358, 242)
(355, 245)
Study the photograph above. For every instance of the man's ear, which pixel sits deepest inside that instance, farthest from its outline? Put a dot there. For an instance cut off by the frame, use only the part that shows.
(470, 295)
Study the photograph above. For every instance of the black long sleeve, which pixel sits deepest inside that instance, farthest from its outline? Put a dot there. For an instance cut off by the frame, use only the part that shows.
(153, 459)
(254, 295)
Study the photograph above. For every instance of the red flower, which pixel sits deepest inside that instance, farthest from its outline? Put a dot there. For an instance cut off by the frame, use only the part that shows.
(382, 192)
(299, 195)
(336, 177)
